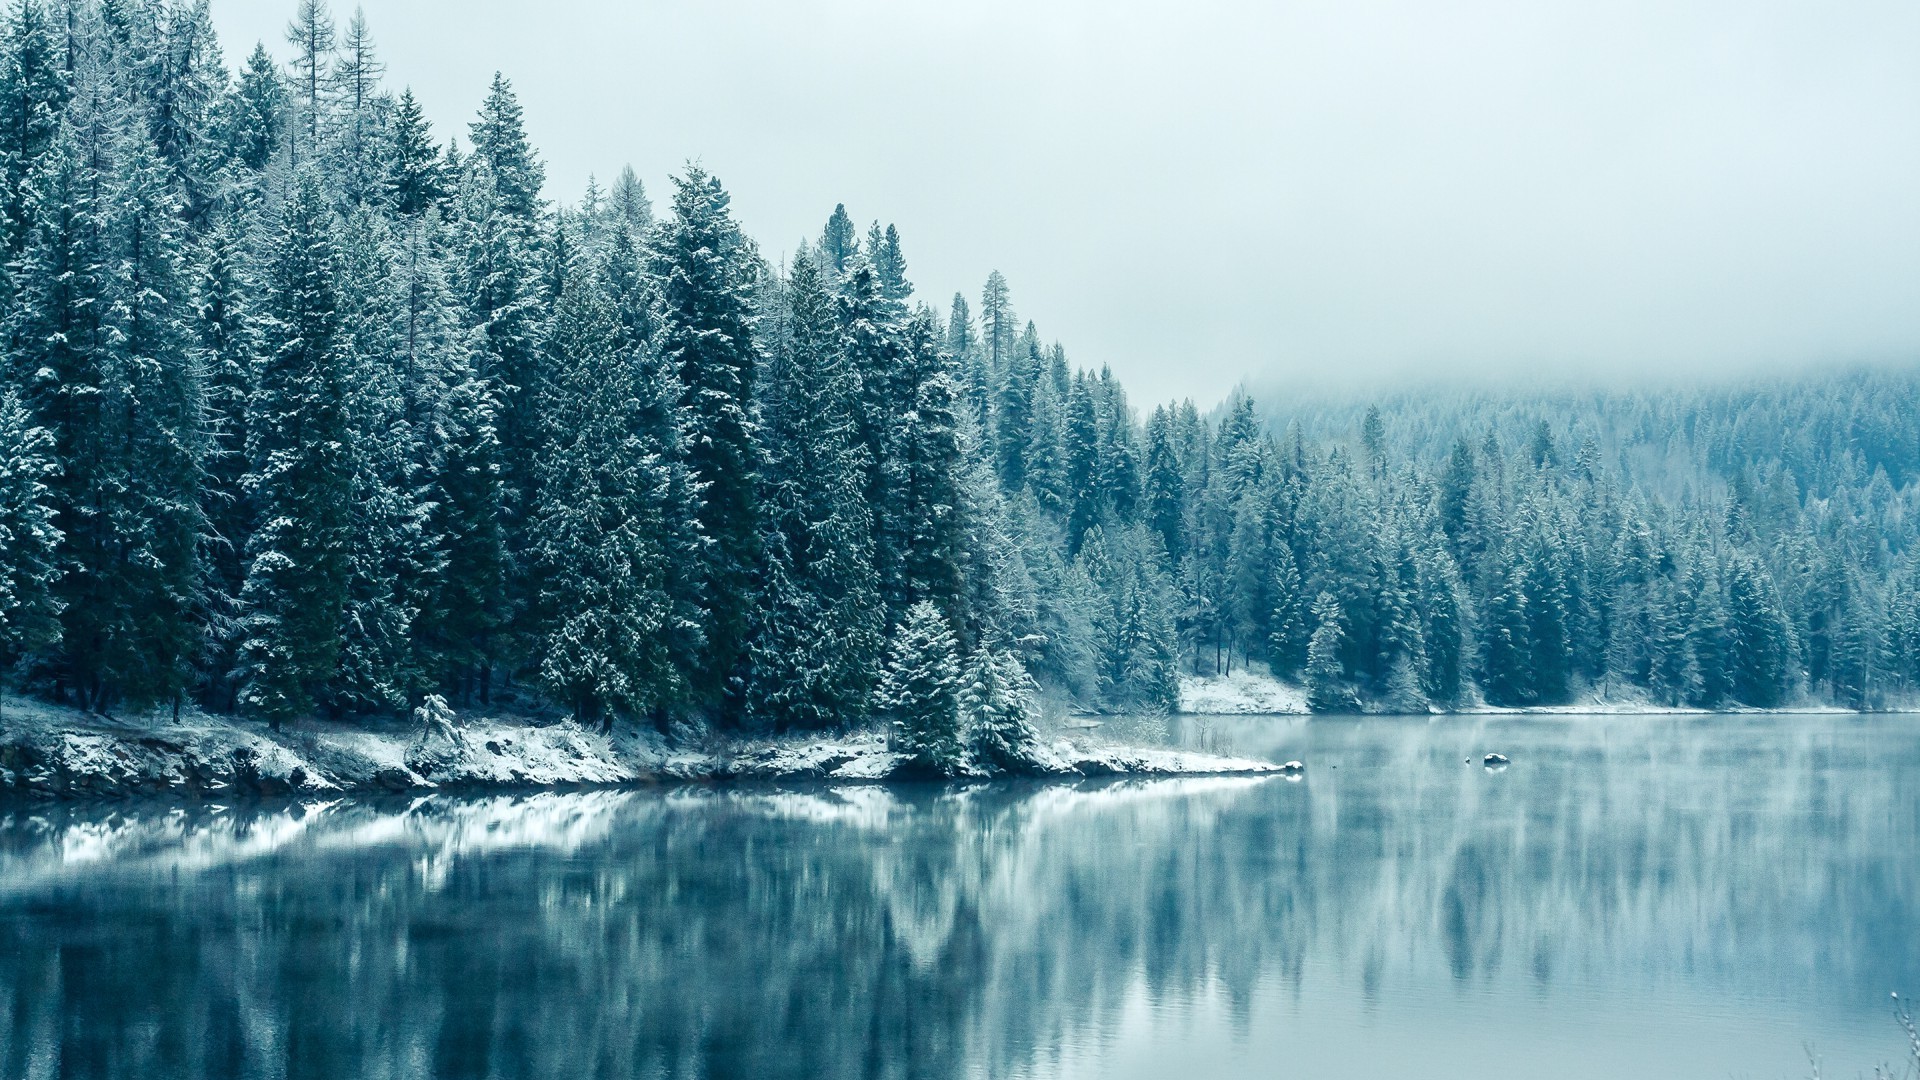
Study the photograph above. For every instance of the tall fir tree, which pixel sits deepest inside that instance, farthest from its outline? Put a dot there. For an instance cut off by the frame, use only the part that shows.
(919, 692)
(606, 614)
(707, 271)
(298, 565)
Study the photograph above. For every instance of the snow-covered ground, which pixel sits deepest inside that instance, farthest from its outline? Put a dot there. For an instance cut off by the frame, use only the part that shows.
(47, 751)
(1255, 693)
(1241, 693)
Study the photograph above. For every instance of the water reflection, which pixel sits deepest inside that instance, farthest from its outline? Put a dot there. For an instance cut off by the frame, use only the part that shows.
(1629, 897)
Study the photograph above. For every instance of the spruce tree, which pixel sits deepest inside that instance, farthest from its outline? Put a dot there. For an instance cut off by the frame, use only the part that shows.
(224, 347)
(838, 241)
(997, 711)
(302, 473)
(468, 607)
(33, 92)
(500, 141)
(605, 612)
(255, 118)
(1166, 485)
(162, 403)
(29, 541)
(415, 175)
(707, 271)
(924, 469)
(918, 692)
(1328, 687)
(818, 631)
(1761, 638)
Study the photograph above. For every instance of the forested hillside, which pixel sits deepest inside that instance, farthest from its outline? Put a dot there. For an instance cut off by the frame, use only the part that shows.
(310, 410)
(1732, 542)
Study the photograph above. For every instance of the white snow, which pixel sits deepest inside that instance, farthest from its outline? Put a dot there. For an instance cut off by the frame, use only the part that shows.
(1241, 693)
(64, 752)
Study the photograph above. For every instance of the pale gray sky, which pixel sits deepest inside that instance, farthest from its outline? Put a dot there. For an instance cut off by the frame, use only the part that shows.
(1202, 190)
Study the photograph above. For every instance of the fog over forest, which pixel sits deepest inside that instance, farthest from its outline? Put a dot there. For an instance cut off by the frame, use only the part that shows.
(1226, 189)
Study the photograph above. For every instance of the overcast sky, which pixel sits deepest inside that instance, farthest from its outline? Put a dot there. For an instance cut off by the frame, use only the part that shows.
(1200, 191)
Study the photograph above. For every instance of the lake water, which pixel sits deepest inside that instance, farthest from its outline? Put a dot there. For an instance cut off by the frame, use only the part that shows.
(1632, 897)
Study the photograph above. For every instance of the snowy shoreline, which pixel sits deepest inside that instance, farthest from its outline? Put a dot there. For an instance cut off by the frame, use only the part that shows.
(55, 753)
(1253, 693)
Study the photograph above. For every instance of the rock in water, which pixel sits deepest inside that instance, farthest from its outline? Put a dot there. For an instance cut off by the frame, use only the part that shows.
(1496, 761)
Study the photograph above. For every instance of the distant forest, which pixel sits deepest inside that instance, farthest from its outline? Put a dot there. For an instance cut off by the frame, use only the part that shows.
(311, 412)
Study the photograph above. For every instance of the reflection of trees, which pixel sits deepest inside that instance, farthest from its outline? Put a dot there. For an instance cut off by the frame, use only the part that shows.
(920, 932)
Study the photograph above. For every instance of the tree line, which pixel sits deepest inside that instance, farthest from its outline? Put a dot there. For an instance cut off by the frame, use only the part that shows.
(309, 413)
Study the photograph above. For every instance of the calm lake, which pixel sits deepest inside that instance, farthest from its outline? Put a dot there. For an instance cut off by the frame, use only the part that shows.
(1633, 897)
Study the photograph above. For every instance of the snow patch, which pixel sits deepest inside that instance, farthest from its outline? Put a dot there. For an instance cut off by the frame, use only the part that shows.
(1240, 693)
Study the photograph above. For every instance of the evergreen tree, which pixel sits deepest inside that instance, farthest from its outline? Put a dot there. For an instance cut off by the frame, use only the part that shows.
(500, 141)
(607, 615)
(924, 472)
(838, 241)
(468, 608)
(1443, 631)
(1506, 646)
(996, 706)
(255, 117)
(1328, 687)
(707, 270)
(1166, 486)
(818, 634)
(919, 692)
(628, 205)
(33, 92)
(295, 593)
(415, 174)
(29, 607)
(161, 399)
(1762, 639)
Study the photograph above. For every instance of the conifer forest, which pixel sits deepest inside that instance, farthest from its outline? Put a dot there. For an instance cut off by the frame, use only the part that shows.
(311, 410)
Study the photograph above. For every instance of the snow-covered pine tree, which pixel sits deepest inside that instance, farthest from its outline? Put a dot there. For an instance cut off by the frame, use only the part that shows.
(463, 616)
(873, 345)
(628, 205)
(302, 472)
(494, 283)
(1166, 487)
(356, 147)
(605, 616)
(891, 263)
(33, 92)
(1443, 626)
(1328, 687)
(254, 119)
(919, 690)
(924, 467)
(818, 630)
(707, 270)
(224, 347)
(998, 710)
(415, 173)
(1762, 638)
(838, 241)
(391, 556)
(29, 542)
(161, 400)
(1289, 631)
(1506, 647)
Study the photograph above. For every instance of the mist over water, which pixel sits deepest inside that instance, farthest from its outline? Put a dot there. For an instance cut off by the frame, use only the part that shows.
(1691, 896)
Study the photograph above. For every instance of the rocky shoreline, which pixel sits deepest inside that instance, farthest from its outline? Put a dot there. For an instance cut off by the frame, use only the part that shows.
(49, 753)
